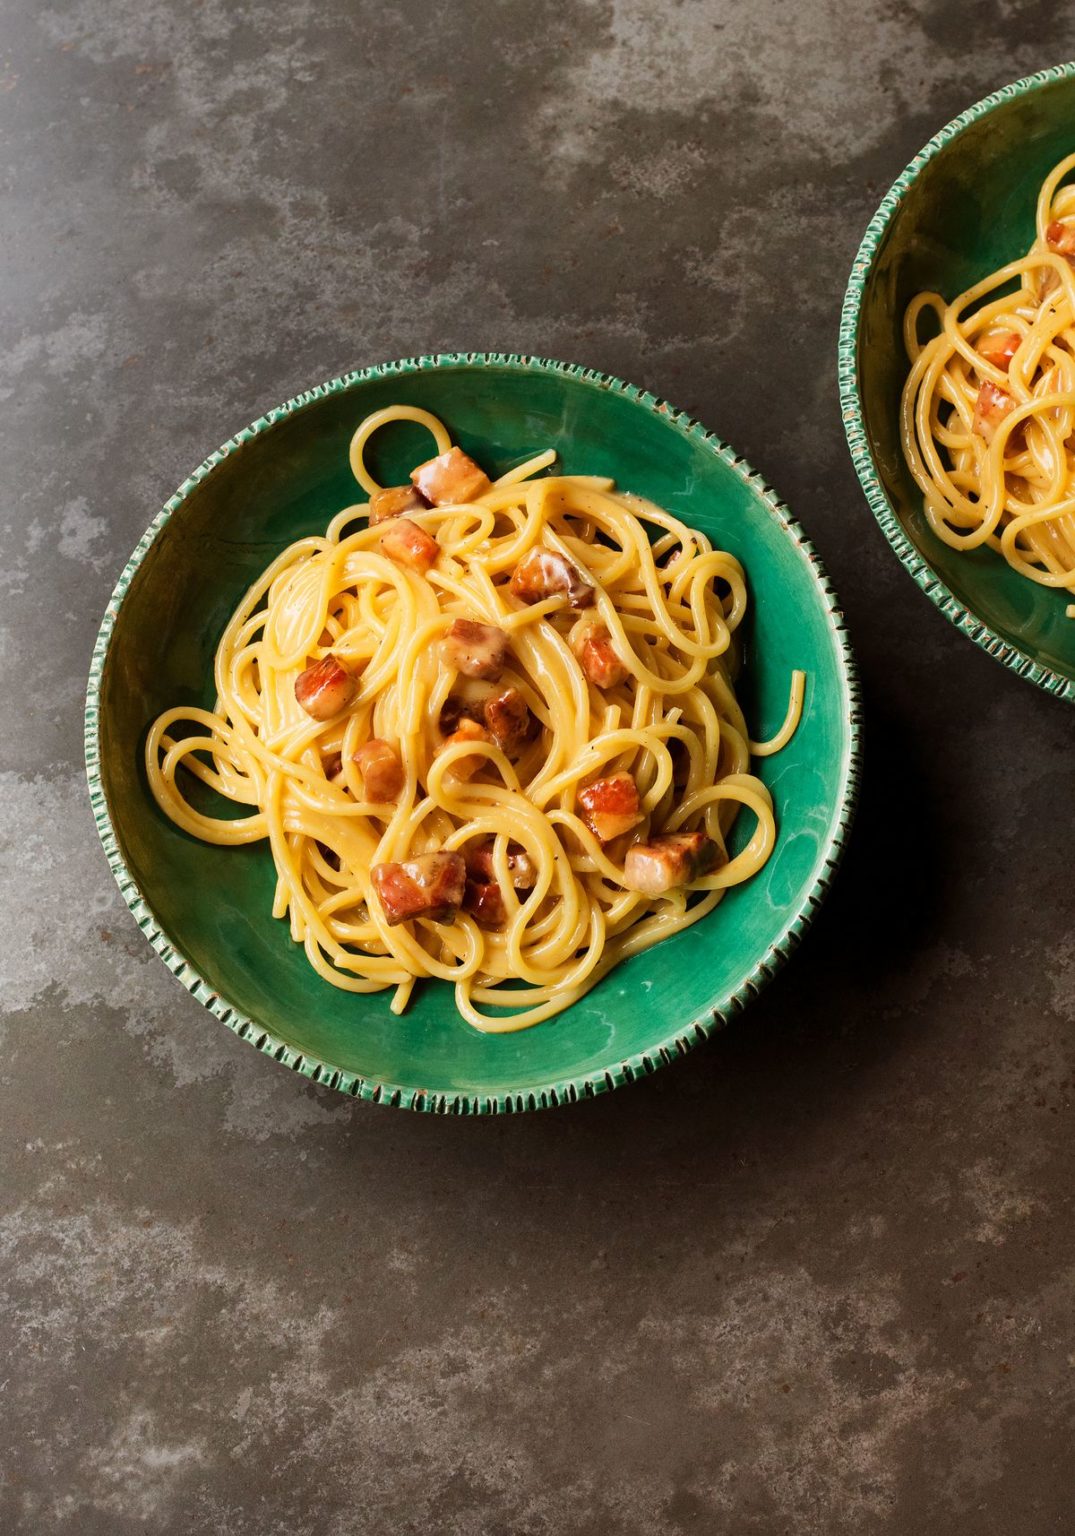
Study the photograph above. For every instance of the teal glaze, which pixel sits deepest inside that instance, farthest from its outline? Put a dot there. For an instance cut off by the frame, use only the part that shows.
(206, 909)
(963, 207)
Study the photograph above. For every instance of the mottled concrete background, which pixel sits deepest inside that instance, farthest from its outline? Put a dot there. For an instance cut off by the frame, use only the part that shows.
(819, 1276)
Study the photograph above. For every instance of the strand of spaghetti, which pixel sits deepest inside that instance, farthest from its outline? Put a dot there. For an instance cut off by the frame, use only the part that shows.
(391, 413)
(779, 740)
(524, 471)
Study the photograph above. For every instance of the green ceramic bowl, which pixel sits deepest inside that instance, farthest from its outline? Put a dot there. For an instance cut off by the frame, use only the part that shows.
(962, 208)
(206, 910)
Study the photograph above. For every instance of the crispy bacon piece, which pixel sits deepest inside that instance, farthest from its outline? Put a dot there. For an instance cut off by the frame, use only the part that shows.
(1060, 237)
(484, 900)
(407, 544)
(662, 864)
(430, 886)
(451, 477)
(508, 719)
(467, 731)
(332, 765)
(546, 573)
(325, 688)
(394, 501)
(476, 650)
(610, 806)
(598, 659)
(382, 772)
(990, 409)
(1000, 348)
(520, 865)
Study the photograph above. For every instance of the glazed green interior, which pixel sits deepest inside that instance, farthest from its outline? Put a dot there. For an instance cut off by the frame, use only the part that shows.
(970, 210)
(289, 480)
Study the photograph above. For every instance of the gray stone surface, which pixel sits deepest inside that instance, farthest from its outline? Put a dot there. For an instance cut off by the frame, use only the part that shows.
(818, 1277)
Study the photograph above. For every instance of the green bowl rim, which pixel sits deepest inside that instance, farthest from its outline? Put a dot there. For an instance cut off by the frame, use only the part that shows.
(851, 404)
(562, 1090)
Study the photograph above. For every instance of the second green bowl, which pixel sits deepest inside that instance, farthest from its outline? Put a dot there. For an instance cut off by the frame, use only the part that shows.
(963, 207)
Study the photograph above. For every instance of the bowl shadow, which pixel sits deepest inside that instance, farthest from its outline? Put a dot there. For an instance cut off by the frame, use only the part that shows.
(784, 1074)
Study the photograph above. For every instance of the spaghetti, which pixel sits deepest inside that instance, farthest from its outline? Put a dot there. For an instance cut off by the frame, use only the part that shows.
(488, 731)
(988, 409)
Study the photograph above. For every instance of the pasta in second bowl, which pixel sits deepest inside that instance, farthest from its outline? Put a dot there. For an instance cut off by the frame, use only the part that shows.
(977, 507)
(582, 640)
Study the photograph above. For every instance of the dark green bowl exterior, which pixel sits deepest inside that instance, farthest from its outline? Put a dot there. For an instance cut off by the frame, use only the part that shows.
(207, 910)
(962, 208)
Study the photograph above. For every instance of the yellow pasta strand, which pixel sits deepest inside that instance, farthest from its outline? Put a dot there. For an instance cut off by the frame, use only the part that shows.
(791, 720)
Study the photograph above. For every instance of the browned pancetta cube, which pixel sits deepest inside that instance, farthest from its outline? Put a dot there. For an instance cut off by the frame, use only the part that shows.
(449, 478)
(325, 688)
(675, 859)
(430, 885)
(610, 806)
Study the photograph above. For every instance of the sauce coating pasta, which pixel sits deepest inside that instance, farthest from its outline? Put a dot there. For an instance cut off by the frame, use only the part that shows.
(488, 730)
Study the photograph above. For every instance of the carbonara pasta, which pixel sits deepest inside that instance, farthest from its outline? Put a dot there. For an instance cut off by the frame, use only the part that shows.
(988, 411)
(488, 731)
